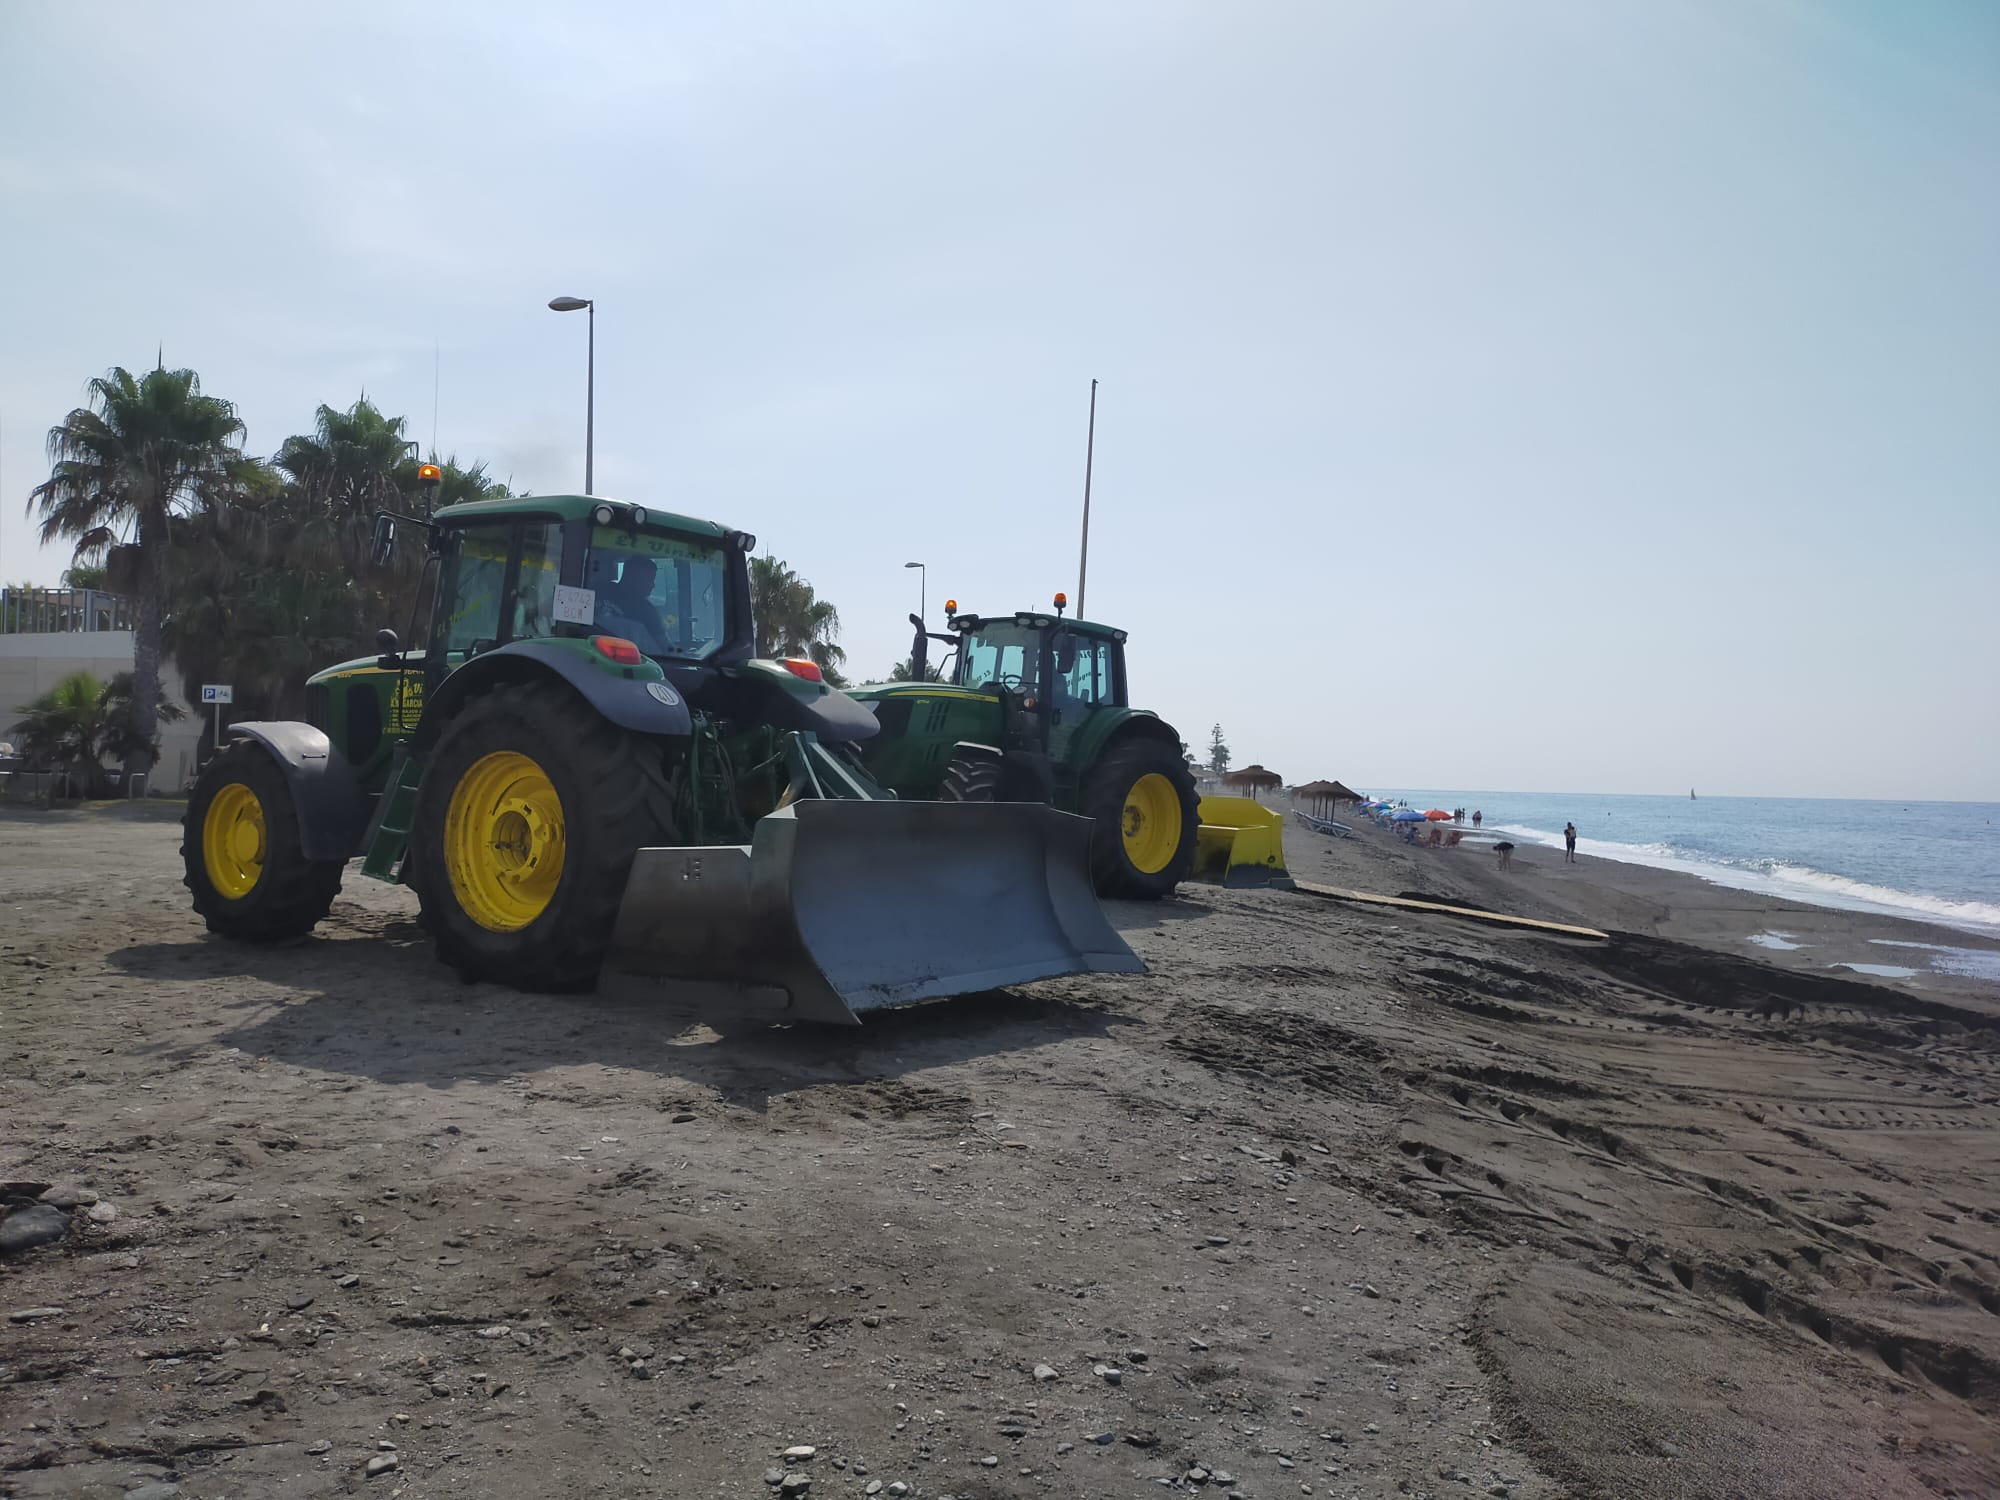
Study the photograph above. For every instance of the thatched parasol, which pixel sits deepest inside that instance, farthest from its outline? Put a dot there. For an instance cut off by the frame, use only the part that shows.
(1251, 778)
(1325, 795)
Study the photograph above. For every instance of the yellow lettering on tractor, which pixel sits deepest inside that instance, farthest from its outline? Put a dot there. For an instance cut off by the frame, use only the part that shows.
(406, 704)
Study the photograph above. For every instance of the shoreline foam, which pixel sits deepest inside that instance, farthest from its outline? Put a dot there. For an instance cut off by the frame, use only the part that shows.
(1787, 881)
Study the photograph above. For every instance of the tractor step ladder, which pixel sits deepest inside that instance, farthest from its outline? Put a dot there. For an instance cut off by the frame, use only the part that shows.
(389, 836)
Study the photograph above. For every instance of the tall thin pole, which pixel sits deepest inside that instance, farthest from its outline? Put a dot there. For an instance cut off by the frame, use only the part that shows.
(590, 407)
(1089, 452)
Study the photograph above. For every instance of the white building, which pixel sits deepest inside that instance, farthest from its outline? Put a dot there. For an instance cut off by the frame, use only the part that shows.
(77, 636)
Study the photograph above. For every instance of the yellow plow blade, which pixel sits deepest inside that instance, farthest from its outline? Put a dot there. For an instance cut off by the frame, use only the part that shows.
(1240, 843)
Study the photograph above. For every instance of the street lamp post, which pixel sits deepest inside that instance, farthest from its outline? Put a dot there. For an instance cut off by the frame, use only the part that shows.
(923, 585)
(586, 304)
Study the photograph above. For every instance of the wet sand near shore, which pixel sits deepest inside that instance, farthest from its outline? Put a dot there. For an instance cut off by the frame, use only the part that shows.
(1332, 1202)
(1612, 895)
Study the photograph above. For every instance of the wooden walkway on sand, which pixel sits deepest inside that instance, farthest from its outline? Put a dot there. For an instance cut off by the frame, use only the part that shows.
(1472, 913)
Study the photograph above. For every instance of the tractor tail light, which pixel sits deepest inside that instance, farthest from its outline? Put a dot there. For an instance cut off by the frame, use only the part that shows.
(616, 648)
(800, 666)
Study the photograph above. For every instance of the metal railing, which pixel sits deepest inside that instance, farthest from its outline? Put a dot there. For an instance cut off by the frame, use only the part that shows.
(62, 611)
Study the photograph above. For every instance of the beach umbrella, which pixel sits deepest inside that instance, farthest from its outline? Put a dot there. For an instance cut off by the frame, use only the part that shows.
(1406, 815)
(1438, 815)
(1253, 778)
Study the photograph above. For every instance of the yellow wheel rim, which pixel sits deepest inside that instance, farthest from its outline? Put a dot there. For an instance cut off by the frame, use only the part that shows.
(232, 841)
(1152, 823)
(503, 841)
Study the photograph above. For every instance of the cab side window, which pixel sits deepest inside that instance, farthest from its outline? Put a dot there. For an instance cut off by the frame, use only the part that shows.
(1083, 670)
(469, 605)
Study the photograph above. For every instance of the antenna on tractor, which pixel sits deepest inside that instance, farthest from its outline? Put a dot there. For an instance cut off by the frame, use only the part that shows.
(1089, 452)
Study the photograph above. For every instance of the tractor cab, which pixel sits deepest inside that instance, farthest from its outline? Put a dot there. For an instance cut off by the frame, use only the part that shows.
(1050, 673)
(574, 568)
(619, 601)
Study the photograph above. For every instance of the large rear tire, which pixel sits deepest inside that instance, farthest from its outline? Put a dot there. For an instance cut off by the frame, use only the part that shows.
(1142, 800)
(241, 856)
(527, 819)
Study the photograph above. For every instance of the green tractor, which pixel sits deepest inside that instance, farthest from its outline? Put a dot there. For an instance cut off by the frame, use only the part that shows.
(1033, 707)
(585, 770)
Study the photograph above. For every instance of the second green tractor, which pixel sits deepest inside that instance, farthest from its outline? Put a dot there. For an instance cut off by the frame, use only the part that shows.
(1034, 707)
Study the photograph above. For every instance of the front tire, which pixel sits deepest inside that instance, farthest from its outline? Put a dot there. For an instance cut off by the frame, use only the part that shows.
(527, 819)
(1141, 798)
(971, 778)
(241, 856)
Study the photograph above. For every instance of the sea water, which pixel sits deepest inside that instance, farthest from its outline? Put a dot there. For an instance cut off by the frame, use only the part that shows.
(1931, 861)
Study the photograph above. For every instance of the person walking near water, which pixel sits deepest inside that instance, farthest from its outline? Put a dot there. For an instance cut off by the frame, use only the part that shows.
(1569, 843)
(1475, 817)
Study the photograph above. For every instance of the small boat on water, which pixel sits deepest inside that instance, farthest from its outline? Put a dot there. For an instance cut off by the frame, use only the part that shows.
(1691, 795)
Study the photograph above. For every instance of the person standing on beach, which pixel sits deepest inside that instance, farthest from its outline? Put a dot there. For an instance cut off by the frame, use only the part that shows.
(1475, 817)
(1506, 852)
(1569, 843)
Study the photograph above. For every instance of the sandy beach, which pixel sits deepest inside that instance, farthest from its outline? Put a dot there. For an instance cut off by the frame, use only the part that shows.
(1333, 1201)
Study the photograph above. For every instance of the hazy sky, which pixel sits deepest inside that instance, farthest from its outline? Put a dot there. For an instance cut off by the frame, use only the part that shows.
(1549, 396)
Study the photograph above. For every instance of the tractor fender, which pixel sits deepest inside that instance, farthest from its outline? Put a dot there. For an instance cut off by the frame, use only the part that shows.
(332, 808)
(766, 692)
(642, 702)
(1114, 726)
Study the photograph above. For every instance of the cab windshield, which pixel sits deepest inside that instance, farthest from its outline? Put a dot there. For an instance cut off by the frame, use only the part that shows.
(665, 594)
(1000, 655)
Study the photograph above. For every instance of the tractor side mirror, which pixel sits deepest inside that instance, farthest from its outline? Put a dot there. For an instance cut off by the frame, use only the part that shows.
(382, 545)
(386, 646)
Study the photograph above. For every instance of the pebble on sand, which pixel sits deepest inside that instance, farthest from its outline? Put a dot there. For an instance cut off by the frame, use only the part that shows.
(801, 1453)
(1109, 1374)
(30, 1314)
(383, 1463)
(27, 1228)
(1045, 1372)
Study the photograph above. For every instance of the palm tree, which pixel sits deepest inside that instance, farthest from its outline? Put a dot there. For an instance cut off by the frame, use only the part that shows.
(792, 620)
(354, 463)
(457, 485)
(901, 672)
(118, 732)
(59, 731)
(143, 452)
